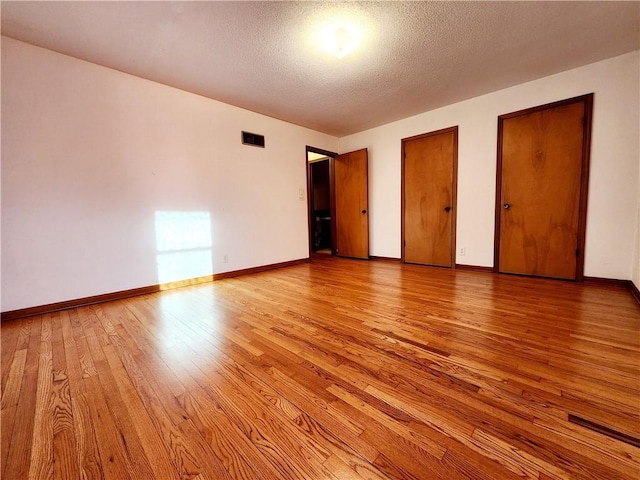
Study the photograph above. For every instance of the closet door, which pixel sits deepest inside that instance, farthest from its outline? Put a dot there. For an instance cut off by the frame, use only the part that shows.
(542, 188)
(429, 165)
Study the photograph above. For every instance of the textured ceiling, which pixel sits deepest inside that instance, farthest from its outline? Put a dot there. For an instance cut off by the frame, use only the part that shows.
(413, 56)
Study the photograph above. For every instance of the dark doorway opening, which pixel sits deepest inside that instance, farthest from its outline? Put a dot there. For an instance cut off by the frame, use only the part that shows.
(321, 201)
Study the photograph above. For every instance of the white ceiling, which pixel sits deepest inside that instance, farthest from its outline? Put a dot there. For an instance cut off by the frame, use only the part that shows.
(413, 56)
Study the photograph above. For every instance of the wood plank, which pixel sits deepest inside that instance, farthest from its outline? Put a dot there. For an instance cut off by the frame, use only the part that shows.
(333, 369)
(187, 450)
(41, 463)
(609, 432)
(11, 390)
(240, 457)
(87, 455)
(9, 334)
(18, 456)
(64, 444)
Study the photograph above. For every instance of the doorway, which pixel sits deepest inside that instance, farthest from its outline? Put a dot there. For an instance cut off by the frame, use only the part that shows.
(339, 182)
(321, 201)
(541, 189)
(429, 179)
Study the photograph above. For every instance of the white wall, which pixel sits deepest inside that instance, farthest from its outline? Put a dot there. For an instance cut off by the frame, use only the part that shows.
(91, 157)
(613, 189)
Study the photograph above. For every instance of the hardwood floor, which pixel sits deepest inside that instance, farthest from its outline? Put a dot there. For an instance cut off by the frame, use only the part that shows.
(337, 369)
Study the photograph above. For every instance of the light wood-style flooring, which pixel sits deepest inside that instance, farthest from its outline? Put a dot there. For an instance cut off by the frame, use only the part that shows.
(337, 369)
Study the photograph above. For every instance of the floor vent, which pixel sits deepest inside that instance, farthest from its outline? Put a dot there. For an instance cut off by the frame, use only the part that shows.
(623, 437)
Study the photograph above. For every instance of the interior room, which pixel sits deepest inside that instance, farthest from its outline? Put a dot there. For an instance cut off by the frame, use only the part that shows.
(285, 240)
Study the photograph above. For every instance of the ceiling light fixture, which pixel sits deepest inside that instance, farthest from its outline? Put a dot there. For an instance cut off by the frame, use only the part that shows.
(335, 30)
(340, 42)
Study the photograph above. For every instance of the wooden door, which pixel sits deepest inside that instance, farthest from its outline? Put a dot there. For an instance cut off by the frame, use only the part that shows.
(351, 196)
(429, 191)
(542, 188)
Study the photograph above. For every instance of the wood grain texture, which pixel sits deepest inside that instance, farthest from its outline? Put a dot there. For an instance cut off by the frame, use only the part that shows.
(634, 291)
(332, 369)
(429, 197)
(542, 188)
(352, 204)
(135, 292)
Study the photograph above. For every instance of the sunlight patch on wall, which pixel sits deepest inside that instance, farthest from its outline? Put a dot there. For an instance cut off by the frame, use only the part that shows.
(183, 244)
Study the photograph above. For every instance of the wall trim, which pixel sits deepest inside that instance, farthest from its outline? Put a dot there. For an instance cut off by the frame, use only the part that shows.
(634, 291)
(474, 268)
(135, 292)
(262, 268)
(610, 282)
(385, 259)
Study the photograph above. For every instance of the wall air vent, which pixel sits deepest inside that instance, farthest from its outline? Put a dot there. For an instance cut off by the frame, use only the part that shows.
(253, 139)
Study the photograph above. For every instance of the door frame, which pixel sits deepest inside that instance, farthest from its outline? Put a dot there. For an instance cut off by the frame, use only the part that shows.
(584, 180)
(332, 195)
(454, 189)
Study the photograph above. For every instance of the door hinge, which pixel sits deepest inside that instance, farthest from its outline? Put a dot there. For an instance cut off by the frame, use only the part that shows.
(577, 252)
(584, 121)
(405, 243)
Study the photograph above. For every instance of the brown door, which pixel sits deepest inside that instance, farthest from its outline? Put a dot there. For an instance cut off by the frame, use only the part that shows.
(352, 217)
(429, 192)
(542, 188)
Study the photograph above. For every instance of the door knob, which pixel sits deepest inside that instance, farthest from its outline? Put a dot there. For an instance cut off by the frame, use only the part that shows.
(447, 208)
(507, 206)
(364, 211)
